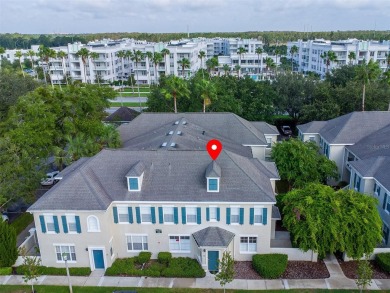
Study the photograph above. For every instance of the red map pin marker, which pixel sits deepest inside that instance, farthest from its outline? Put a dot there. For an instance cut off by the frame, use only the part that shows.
(214, 148)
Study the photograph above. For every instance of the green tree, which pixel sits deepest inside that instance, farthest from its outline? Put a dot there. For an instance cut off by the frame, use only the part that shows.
(365, 73)
(84, 54)
(226, 270)
(19, 55)
(95, 56)
(293, 51)
(211, 64)
(184, 63)
(226, 69)
(129, 55)
(207, 92)
(31, 54)
(240, 52)
(317, 219)
(259, 52)
(157, 58)
(364, 272)
(165, 52)
(237, 68)
(351, 57)
(175, 88)
(2, 51)
(269, 64)
(328, 57)
(33, 269)
(62, 55)
(149, 57)
(201, 56)
(8, 249)
(137, 57)
(300, 163)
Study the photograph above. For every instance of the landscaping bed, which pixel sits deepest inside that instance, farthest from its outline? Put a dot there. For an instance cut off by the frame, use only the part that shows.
(349, 268)
(295, 270)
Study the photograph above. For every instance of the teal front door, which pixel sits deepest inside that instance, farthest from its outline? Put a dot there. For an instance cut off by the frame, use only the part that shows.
(98, 259)
(213, 257)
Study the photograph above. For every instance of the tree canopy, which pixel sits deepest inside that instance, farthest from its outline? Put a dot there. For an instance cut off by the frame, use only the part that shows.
(327, 221)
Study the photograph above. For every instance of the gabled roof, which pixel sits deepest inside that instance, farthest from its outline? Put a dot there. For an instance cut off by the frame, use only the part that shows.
(123, 114)
(312, 127)
(213, 236)
(213, 170)
(149, 131)
(136, 170)
(169, 176)
(373, 145)
(265, 128)
(376, 167)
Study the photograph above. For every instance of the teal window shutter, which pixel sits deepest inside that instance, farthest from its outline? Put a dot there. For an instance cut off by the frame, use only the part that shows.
(78, 226)
(153, 214)
(115, 210)
(176, 215)
(183, 215)
(198, 216)
(241, 216)
(358, 183)
(56, 227)
(130, 211)
(207, 214)
(160, 215)
(133, 183)
(218, 214)
(264, 216)
(43, 225)
(251, 216)
(228, 216)
(138, 214)
(64, 224)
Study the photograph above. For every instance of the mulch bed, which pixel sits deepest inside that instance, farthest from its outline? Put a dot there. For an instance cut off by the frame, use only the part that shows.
(295, 270)
(350, 267)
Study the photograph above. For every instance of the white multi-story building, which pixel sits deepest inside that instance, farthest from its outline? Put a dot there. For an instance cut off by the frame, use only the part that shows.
(309, 53)
(229, 46)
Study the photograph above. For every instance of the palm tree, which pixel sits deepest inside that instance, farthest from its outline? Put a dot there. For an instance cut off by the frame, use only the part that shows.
(278, 52)
(137, 57)
(19, 55)
(129, 56)
(62, 55)
(84, 54)
(226, 69)
(329, 57)
(365, 73)
(201, 56)
(94, 56)
(184, 63)
(165, 52)
(43, 53)
(211, 64)
(122, 55)
(157, 58)
(175, 87)
(208, 92)
(269, 63)
(240, 51)
(259, 51)
(388, 60)
(237, 68)
(2, 51)
(351, 56)
(149, 56)
(293, 51)
(31, 54)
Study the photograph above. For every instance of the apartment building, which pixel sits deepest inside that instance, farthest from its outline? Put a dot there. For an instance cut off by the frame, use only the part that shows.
(229, 46)
(308, 58)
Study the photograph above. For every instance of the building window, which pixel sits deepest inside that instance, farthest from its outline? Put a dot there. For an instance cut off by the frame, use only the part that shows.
(137, 242)
(66, 250)
(213, 214)
(269, 142)
(179, 243)
(387, 203)
(378, 190)
(71, 220)
(168, 214)
(258, 216)
(385, 231)
(311, 138)
(248, 244)
(212, 184)
(146, 214)
(235, 215)
(133, 184)
(123, 215)
(191, 215)
(50, 227)
(93, 224)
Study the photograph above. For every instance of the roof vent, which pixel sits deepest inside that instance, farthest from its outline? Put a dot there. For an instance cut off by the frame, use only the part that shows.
(184, 122)
(177, 122)
(170, 132)
(164, 144)
(203, 132)
(173, 144)
(178, 133)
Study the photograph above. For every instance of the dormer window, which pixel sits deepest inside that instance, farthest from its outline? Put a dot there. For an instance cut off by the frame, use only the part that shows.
(212, 184)
(135, 176)
(133, 184)
(213, 176)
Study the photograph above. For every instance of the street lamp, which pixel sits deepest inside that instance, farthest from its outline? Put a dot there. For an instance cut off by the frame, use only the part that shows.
(65, 258)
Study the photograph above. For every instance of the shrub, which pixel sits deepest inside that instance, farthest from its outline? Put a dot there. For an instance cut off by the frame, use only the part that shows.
(270, 266)
(383, 261)
(164, 258)
(121, 266)
(183, 267)
(5, 271)
(144, 257)
(8, 248)
(20, 270)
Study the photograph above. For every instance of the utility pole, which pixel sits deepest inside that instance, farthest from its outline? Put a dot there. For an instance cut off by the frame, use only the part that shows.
(65, 257)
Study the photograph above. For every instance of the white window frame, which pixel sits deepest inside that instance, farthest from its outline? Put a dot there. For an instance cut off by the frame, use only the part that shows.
(269, 141)
(97, 222)
(140, 179)
(132, 242)
(47, 218)
(126, 208)
(194, 208)
(256, 208)
(69, 245)
(247, 244)
(216, 212)
(173, 214)
(71, 219)
(231, 214)
(143, 208)
(179, 235)
(208, 188)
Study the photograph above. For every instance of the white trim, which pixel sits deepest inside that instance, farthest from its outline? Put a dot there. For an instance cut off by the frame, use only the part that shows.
(91, 258)
(98, 224)
(64, 244)
(150, 210)
(135, 234)
(179, 251)
(248, 235)
(208, 189)
(122, 206)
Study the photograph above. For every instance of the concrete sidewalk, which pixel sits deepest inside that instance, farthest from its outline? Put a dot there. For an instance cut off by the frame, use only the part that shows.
(337, 280)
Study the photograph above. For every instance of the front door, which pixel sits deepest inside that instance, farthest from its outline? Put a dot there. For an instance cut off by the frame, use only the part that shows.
(98, 259)
(213, 257)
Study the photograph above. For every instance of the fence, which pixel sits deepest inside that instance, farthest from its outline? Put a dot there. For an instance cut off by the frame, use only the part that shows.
(296, 254)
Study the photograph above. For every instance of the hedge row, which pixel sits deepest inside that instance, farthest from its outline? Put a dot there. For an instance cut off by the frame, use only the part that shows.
(5, 271)
(20, 270)
(270, 266)
(383, 261)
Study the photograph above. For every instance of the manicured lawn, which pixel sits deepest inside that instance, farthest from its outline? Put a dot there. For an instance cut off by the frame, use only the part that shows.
(126, 104)
(65, 289)
(21, 222)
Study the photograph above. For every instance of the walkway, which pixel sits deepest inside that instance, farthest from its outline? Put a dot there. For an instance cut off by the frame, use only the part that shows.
(337, 280)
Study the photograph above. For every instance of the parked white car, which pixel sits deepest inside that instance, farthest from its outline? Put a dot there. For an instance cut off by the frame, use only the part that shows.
(4, 217)
(50, 178)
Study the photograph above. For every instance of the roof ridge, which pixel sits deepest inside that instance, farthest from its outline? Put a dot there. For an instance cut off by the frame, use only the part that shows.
(93, 191)
(246, 126)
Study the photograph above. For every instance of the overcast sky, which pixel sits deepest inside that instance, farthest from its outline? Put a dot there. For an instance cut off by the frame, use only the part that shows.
(91, 16)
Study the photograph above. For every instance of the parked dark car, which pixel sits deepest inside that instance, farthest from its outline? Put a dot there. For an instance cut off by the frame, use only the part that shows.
(286, 130)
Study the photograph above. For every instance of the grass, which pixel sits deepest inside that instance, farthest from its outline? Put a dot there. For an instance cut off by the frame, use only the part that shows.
(142, 90)
(126, 104)
(65, 289)
(21, 222)
(130, 94)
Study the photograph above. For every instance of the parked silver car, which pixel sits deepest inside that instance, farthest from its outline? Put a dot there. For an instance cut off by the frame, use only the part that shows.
(50, 178)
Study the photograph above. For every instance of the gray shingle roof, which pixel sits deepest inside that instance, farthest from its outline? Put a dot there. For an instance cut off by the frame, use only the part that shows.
(376, 167)
(136, 170)
(213, 236)
(311, 127)
(71, 168)
(123, 114)
(265, 128)
(275, 213)
(374, 145)
(169, 176)
(150, 130)
(213, 170)
(352, 127)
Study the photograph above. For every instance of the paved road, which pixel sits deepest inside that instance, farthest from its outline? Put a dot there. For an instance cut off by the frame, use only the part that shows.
(130, 99)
